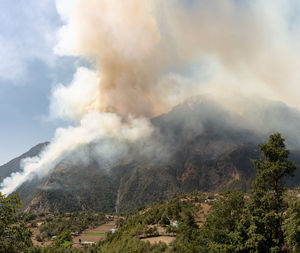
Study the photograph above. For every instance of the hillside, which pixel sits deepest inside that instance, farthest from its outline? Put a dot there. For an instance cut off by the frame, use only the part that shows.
(180, 224)
(199, 147)
(228, 221)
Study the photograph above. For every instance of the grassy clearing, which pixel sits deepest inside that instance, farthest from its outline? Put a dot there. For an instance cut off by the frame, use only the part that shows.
(96, 234)
(67, 243)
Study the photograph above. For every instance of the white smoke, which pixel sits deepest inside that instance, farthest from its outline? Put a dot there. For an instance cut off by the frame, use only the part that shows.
(93, 127)
(73, 101)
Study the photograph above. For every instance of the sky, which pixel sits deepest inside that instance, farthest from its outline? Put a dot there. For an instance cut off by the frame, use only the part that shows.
(28, 72)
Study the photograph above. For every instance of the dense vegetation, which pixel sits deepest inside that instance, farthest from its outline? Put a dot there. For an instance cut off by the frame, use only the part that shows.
(266, 220)
(13, 234)
(73, 222)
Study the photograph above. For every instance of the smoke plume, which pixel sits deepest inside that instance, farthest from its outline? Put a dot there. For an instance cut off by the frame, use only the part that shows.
(149, 55)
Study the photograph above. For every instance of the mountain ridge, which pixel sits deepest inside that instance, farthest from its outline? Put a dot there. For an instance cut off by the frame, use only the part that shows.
(200, 148)
(14, 164)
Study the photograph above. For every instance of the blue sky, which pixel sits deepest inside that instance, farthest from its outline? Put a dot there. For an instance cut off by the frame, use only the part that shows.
(28, 71)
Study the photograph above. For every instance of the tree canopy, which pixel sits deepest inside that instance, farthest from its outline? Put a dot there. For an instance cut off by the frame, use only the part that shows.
(14, 236)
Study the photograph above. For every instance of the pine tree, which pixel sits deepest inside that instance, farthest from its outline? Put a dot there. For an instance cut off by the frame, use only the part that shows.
(267, 205)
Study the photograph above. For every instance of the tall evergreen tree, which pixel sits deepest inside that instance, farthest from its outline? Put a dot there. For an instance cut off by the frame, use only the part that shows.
(267, 205)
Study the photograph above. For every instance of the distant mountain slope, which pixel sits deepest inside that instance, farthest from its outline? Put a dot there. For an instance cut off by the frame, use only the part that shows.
(80, 188)
(202, 147)
(14, 165)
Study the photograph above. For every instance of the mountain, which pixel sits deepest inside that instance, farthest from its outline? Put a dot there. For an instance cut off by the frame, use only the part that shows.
(14, 165)
(198, 146)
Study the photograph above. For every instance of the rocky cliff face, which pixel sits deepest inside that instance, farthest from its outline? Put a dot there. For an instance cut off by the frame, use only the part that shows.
(203, 151)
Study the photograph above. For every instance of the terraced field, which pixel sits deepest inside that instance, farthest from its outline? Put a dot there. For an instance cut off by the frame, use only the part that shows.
(96, 234)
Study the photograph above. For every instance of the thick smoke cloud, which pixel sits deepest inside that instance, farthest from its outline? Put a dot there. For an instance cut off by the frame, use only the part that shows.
(221, 46)
(72, 102)
(149, 55)
(122, 38)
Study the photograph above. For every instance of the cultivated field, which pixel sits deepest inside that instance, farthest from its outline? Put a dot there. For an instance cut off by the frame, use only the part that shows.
(95, 234)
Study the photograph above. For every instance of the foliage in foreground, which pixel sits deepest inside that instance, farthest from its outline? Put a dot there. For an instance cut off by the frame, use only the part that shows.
(14, 237)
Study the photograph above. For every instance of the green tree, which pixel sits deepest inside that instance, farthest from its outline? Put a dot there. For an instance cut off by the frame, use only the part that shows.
(14, 236)
(266, 207)
(220, 231)
(65, 235)
(291, 226)
(187, 238)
